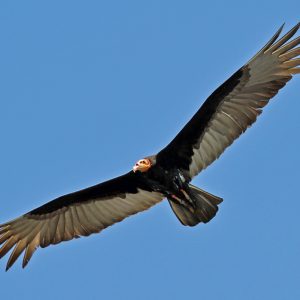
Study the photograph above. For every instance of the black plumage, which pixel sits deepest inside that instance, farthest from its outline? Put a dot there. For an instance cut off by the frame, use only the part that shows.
(223, 117)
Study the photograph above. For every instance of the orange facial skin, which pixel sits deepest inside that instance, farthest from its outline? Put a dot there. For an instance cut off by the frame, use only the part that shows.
(143, 165)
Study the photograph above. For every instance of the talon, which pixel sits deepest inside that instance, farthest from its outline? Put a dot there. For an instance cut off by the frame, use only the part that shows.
(189, 205)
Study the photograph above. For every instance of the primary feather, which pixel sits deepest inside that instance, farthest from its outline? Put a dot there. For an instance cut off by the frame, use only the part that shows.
(223, 117)
(234, 106)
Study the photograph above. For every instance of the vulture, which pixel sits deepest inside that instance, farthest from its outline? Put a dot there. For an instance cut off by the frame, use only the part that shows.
(223, 117)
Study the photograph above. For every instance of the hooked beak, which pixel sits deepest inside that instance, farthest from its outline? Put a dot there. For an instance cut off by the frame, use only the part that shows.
(135, 168)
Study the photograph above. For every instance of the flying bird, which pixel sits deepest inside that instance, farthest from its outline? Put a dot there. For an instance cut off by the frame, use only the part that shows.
(223, 117)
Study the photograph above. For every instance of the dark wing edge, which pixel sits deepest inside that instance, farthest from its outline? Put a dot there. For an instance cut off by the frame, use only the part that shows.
(77, 214)
(234, 106)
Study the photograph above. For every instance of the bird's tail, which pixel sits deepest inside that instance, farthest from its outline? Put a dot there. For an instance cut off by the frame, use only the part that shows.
(205, 207)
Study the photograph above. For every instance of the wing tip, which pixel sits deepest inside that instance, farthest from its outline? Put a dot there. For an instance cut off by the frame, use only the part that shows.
(281, 27)
(274, 39)
(7, 267)
(296, 27)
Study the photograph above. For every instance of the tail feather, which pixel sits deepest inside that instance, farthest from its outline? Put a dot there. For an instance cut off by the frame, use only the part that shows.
(206, 207)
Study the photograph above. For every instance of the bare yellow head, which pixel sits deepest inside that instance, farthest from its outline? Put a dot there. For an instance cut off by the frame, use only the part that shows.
(143, 165)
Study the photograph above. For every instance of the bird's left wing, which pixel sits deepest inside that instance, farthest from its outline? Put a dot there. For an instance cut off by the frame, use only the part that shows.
(234, 106)
(77, 214)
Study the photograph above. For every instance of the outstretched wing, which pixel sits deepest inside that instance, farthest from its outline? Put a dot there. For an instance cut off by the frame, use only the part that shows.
(234, 106)
(77, 214)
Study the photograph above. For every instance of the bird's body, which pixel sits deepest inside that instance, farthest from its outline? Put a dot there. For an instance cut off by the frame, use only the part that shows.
(224, 116)
(184, 198)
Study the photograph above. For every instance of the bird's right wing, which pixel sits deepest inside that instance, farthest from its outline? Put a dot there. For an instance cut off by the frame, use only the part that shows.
(234, 106)
(77, 214)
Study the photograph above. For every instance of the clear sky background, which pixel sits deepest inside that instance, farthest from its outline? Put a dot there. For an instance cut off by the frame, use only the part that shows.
(88, 88)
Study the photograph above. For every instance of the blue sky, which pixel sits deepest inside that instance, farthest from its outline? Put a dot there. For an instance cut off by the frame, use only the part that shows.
(89, 87)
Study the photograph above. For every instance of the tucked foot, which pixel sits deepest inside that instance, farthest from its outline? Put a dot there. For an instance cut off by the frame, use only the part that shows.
(188, 198)
(188, 204)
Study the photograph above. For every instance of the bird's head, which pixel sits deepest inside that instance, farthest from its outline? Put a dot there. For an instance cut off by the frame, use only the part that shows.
(143, 165)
